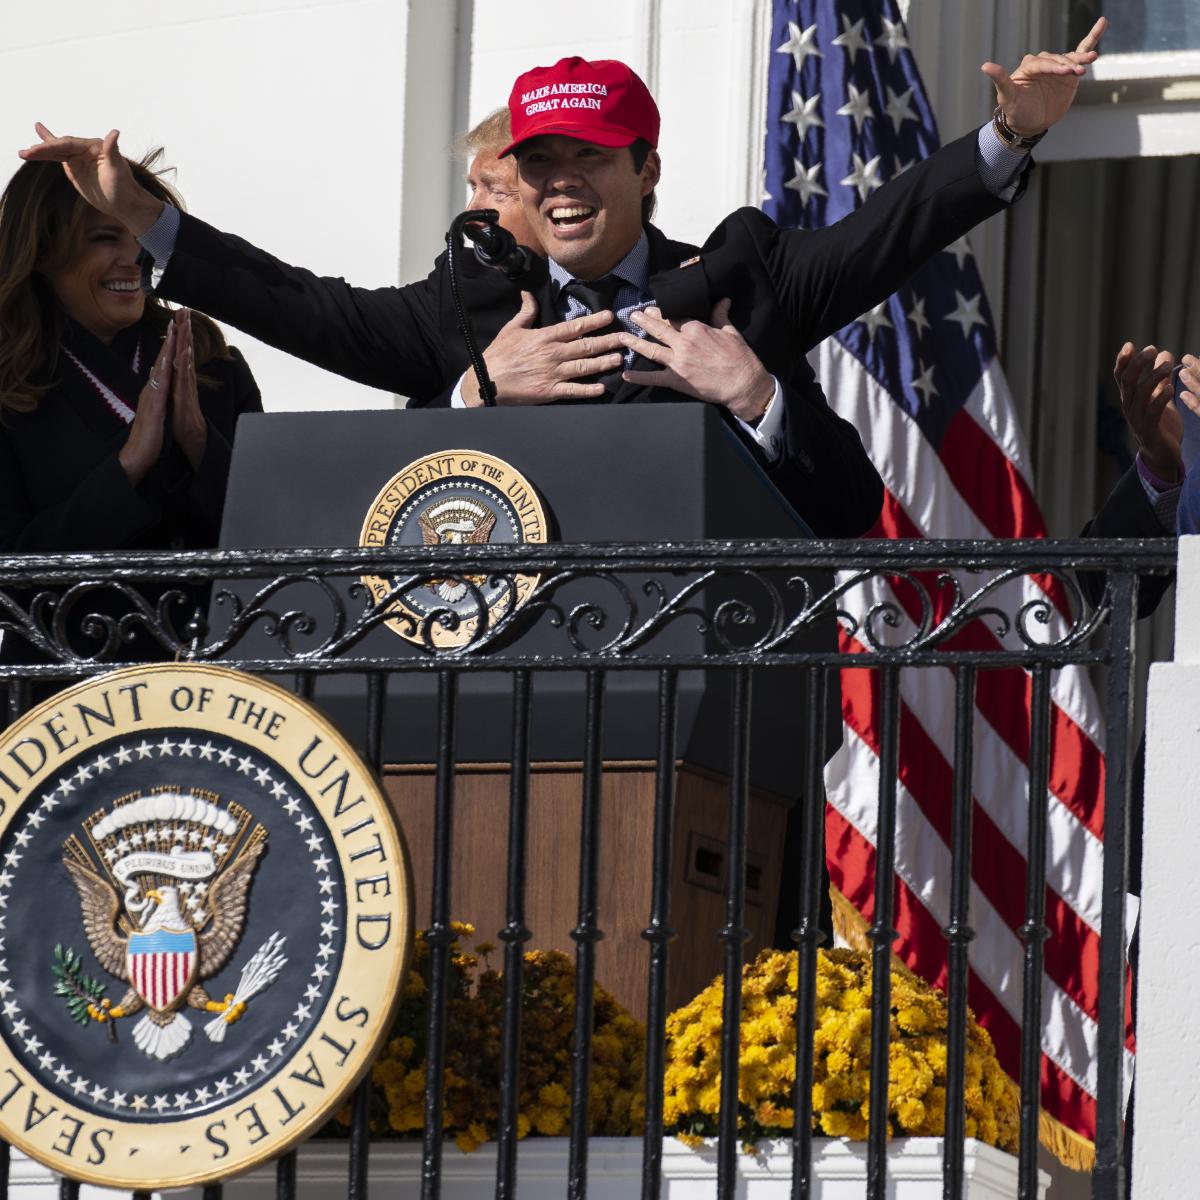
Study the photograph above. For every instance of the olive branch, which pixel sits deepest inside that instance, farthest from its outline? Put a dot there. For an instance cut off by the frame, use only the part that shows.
(79, 990)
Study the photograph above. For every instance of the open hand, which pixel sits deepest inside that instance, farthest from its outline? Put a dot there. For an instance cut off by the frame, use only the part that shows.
(1039, 92)
(187, 421)
(144, 443)
(1190, 377)
(1144, 381)
(101, 176)
(709, 361)
(538, 366)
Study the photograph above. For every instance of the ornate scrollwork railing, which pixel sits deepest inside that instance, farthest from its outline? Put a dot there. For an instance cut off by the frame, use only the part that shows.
(638, 605)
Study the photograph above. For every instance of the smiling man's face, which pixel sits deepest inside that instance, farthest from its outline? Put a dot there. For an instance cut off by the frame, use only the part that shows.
(583, 201)
(493, 184)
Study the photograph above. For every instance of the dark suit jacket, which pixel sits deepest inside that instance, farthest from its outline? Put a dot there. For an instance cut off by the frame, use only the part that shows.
(63, 489)
(1126, 514)
(790, 289)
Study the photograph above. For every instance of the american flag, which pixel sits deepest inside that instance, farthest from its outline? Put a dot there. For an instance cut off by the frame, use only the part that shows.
(918, 377)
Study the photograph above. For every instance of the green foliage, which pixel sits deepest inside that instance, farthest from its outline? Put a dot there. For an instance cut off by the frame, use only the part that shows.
(79, 990)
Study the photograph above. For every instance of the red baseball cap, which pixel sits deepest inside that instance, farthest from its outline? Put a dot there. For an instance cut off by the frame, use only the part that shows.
(603, 102)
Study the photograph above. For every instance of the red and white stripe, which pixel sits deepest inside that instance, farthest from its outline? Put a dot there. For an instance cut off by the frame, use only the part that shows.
(117, 406)
(975, 485)
(160, 977)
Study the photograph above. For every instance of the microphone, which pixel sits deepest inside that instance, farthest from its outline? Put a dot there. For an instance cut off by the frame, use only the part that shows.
(494, 246)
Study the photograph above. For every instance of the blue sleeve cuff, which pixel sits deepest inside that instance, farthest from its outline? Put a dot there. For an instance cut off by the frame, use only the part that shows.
(159, 243)
(999, 165)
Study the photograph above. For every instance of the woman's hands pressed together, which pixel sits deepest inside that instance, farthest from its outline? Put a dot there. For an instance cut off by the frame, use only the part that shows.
(144, 443)
(187, 421)
(170, 391)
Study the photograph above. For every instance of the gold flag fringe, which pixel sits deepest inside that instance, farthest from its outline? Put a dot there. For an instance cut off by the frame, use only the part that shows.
(1071, 1149)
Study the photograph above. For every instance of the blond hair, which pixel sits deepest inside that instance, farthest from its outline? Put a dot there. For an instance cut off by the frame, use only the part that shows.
(493, 133)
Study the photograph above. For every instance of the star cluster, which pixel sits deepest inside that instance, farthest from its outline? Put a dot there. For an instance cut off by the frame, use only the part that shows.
(847, 113)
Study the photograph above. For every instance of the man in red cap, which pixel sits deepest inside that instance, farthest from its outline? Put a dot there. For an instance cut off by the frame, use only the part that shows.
(618, 311)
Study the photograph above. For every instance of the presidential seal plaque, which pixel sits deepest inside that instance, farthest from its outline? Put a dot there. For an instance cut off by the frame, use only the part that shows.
(454, 498)
(205, 906)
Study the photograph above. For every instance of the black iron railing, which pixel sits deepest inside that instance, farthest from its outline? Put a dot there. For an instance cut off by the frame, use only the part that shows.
(745, 608)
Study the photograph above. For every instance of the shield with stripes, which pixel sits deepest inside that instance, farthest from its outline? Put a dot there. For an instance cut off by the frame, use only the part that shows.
(161, 965)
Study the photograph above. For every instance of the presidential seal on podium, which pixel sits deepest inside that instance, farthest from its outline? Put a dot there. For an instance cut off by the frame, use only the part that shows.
(453, 498)
(206, 906)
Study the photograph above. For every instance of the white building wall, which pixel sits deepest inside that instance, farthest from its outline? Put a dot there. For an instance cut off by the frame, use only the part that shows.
(284, 120)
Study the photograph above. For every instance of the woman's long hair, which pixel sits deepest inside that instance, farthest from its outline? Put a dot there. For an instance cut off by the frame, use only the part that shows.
(41, 227)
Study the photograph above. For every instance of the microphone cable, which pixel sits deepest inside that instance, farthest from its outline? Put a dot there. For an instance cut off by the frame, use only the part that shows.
(494, 247)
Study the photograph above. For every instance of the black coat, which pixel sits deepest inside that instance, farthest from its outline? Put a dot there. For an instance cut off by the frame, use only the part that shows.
(790, 289)
(62, 487)
(1127, 514)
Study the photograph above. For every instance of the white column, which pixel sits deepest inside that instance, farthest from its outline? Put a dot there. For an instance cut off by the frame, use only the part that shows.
(1166, 1149)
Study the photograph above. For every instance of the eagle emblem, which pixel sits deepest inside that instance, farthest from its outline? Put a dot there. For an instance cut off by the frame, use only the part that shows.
(163, 903)
(457, 522)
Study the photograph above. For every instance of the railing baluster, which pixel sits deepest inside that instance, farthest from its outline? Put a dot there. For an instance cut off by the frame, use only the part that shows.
(360, 1140)
(1109, 1176)
(1034, 933)
(214, 1191)
(734, 933)
(659, 932)
(514, 935)
(959, 934)
(360, 1125)
(882, 934)
(68, 1189)
(586, 934)
(808, 934)
(24, 682)
(439, 937)
(18, 698)
(285, 1177)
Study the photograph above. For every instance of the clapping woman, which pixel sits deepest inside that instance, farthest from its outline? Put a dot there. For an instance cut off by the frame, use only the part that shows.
(116, 415)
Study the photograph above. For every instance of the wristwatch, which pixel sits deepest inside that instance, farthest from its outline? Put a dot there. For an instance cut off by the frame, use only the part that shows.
(1009, 136)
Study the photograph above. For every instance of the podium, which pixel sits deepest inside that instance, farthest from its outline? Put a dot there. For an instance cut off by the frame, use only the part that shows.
(612, 473)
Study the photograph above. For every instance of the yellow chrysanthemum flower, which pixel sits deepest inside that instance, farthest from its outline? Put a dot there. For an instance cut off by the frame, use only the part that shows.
(841, 1057)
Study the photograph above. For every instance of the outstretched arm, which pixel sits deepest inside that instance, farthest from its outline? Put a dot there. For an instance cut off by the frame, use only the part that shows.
(825, 278)
(386, 338)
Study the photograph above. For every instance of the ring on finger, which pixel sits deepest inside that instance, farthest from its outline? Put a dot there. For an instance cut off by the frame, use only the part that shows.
(154, 383)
